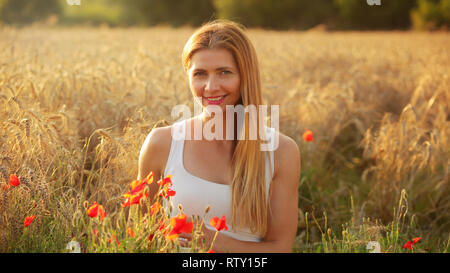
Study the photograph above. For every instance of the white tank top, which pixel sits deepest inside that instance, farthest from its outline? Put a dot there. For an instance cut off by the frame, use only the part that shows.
(195, 193)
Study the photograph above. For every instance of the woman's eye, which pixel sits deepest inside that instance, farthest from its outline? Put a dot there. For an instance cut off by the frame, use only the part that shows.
(226, 72)
(199, 74)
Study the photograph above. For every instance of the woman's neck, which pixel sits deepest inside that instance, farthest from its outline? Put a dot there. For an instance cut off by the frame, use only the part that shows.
(225, 131)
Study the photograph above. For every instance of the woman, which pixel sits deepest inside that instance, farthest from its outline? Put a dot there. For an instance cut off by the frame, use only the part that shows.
(255, 190)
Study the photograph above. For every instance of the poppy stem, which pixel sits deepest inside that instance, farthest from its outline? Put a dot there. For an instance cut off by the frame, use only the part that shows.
(214, 239)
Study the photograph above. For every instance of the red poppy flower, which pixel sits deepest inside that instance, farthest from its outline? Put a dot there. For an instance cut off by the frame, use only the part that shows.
(219, 224)
(166, 192)
(14, 180)
(166, 180)
(96, 210)
(155, 208)
(28, 220)
(132, 199)
(139, 185)
(137, 191)
(170, 193)
(211, 251)
(410, 244)
(130, 232)
(308, 136)
(179, 225)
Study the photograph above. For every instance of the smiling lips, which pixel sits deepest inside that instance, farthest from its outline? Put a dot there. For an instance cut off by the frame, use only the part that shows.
(215, 100)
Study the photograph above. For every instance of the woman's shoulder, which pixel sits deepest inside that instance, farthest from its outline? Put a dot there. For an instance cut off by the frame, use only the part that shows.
(155, 150)
(285, 143)
(160, 136)
(287, 155)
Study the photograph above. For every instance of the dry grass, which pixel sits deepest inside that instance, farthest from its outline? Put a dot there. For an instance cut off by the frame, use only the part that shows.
(76, 105)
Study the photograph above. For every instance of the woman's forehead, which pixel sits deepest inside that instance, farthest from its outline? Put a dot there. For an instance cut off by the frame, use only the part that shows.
(212, 59)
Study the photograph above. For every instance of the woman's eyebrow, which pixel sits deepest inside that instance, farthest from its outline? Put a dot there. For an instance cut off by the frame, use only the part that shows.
(217, 69)
(224, 68)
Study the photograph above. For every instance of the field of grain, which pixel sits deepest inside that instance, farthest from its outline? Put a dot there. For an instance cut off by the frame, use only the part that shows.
(77, 103)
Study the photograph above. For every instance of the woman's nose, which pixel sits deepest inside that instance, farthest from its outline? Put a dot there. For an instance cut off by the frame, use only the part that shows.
(211, 84)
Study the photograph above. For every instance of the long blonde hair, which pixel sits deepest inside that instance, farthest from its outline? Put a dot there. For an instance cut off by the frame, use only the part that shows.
(249, 206)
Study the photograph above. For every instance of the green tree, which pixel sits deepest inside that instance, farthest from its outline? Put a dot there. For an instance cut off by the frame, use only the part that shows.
(358, 14)
(431, 14)
(278, 14)
(173, 12)
(28, 11)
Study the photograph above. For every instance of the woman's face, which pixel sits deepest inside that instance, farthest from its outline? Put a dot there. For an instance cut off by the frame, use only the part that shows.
(214, 77)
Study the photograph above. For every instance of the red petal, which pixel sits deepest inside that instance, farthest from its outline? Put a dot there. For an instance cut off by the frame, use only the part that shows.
(171, 193)
(408, 245)
(187, 227)
(14, 180)
(308, 136)
(102, 212)
(93, 210)
(29, 220)
(214, 221)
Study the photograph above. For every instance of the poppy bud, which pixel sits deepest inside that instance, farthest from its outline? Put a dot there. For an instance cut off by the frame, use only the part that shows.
(142, 201)
(86, 204)
(130, 232)
(5, 186)
(308, 136)
(207, 209)
(95, 232)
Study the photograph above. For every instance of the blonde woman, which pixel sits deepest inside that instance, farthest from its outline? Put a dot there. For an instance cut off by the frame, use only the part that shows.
(256, 190)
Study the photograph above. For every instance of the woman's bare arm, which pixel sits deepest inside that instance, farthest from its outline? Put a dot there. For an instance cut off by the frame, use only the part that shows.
(283, 221)
(153, 156)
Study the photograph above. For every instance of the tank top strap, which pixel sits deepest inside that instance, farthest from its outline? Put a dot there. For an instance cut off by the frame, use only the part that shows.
(176, 148)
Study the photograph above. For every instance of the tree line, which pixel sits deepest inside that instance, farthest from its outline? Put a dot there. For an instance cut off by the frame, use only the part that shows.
(271, 14)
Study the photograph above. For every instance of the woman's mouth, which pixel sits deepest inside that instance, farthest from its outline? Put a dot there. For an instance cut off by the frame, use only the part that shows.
(215, 100)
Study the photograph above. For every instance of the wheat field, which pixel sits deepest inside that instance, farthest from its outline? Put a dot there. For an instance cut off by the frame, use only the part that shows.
(77, 104)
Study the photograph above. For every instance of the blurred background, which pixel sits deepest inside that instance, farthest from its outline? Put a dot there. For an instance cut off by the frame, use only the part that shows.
(270, 14)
